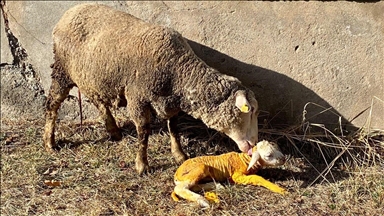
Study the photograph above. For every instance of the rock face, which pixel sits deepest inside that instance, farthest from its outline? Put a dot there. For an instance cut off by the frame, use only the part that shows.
(326, 58)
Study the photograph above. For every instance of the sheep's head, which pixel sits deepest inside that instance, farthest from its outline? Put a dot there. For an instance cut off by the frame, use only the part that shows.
(244, 129)
(267, 154)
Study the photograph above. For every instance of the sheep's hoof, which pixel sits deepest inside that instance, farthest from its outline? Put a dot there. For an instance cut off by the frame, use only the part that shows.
(49, 144)
(50, 149)
(142, 167)
(180, 157)
(116, 136)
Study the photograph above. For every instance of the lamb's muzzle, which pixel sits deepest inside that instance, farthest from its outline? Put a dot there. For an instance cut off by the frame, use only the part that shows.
(267, 154)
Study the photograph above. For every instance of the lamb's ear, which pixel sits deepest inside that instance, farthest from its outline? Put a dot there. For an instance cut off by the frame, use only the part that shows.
(254, 159)
(242, 102)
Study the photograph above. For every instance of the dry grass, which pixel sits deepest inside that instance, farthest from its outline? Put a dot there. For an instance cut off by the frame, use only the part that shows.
(327, 174)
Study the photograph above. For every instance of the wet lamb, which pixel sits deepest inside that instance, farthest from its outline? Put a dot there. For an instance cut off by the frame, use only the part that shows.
(198, 173)
(116, 59)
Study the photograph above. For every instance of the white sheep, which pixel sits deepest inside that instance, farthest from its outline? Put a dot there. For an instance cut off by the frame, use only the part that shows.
(117, 59)
(196, 174)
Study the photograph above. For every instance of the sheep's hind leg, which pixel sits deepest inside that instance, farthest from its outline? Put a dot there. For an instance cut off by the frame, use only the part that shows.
(176, 149)
(59, 90)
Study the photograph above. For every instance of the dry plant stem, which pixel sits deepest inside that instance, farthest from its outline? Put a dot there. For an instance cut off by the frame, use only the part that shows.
(81, 108)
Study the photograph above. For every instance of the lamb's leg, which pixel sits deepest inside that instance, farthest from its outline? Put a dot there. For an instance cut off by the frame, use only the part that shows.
(176, 149)
(59, 90)
(207, 187)
(187, 177)
(110, 122)
(208, 190)
(182, 190)
(240, 178)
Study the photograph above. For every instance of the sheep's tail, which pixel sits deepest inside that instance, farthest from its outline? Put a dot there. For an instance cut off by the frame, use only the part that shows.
(81, 108)
(175, 197)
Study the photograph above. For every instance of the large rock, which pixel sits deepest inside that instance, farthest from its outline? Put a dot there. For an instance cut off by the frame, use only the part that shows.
(324, 57)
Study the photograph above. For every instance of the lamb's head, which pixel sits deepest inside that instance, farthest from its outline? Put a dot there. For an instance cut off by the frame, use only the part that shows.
(266, 154)
(243, 129)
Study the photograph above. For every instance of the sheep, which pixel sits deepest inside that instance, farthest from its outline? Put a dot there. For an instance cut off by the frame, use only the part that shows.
(194, 173)
(118, 60)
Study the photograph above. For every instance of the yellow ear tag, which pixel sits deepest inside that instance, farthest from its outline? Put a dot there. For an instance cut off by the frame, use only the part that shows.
(244, 108)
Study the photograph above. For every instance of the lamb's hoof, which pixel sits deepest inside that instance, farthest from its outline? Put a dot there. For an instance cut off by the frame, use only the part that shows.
(284, 192)
(211, 197)
(203, 203)
(219, 186)
(281, 191)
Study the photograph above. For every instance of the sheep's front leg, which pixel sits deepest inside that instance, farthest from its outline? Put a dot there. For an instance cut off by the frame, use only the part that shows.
(108, 119)
(141, 157)
(240, 178)
(176, 149)
(140, 114)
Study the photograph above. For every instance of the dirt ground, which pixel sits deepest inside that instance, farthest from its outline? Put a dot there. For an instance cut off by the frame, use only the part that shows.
(92, 175)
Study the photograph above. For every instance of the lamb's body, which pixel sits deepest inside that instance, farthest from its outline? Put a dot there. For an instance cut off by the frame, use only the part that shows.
(116, 59)
(194, 172)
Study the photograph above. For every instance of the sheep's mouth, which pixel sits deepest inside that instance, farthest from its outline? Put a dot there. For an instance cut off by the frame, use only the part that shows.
(249, 152)
(245, 146)
(250, 147)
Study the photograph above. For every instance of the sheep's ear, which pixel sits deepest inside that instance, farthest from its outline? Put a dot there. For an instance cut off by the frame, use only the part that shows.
(254, 159)
(242, 102)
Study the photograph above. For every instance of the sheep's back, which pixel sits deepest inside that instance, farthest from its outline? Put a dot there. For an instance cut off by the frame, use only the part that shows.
(101, 48)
